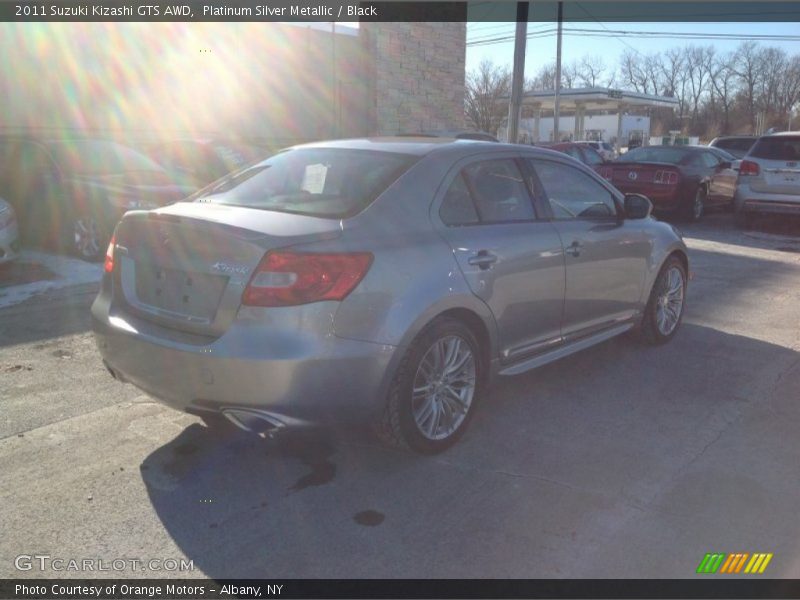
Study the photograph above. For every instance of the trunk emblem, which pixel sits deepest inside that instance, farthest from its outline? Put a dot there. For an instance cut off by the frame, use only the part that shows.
(632, 176)
(226, 268)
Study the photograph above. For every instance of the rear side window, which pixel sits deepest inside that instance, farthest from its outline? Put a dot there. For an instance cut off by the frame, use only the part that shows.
(499, 191)
(592, 157)
(777, 148)
(457, 206)
(320, 182)
(709, 160)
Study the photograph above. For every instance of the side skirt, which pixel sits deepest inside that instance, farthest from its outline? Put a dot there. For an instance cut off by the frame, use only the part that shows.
(565, 350)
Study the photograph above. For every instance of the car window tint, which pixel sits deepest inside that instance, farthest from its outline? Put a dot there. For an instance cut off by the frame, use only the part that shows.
(777, 148)
(591, 157)
(574, 153)
(323, 182)
(709, 160)
(500, 192)
(457, 206)
(573, 194)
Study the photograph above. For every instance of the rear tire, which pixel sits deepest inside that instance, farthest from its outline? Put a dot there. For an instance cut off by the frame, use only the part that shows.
(695, 206)
(664, 311)
(435, 391)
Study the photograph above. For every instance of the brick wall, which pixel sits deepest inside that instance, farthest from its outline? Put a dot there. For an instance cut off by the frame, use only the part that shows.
(418, 75)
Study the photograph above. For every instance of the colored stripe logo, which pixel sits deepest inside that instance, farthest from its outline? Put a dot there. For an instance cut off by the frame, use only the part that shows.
(734, 563)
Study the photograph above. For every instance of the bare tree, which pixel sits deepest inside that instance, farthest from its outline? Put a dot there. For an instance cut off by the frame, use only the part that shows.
(747, 61)
(591, 70)
(699, 62)
(486, 86)
(545, 78)
(723, 80)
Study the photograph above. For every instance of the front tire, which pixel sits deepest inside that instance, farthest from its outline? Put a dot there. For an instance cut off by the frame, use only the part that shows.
(664, 311)
(437, 386)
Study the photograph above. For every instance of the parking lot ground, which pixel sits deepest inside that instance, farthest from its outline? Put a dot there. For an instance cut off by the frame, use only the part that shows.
(620, 461)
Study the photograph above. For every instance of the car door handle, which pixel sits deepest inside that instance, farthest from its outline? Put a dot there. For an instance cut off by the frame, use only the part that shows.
(483, 259)
(574, 249)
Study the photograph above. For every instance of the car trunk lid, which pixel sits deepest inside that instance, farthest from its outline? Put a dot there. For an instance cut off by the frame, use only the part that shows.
(185, 267)
(635, 176)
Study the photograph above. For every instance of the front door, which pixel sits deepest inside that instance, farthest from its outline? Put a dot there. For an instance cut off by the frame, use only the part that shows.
(511, 258)
(606, 257)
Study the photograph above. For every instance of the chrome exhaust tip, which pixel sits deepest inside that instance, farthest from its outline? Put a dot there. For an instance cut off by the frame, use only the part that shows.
(253, 420)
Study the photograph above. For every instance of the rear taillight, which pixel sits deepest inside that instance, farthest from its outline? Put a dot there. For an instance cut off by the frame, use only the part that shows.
(108, 265)
(665, 177)
(288, 278)
(748, 167)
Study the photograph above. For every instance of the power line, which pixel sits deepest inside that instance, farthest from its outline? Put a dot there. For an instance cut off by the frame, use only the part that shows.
(639, 34)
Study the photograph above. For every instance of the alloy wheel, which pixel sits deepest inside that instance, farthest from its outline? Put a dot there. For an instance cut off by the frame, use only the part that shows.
(86, 238)
(669, 304)
(443, 387)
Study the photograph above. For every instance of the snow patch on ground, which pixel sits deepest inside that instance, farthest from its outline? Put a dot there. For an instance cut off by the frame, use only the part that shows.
(68, 272)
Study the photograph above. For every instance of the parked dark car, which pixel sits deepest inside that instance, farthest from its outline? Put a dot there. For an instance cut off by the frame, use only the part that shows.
(198, 162)
(69, 194)
(581, 152)
(735, 145)
(685, 180)
(383, 280)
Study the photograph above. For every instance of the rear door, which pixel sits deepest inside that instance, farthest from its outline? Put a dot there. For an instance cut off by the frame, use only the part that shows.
(510, 256)
(606, 257)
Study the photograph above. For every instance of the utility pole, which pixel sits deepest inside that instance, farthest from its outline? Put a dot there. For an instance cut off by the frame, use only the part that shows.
(557, 107)
(518, 76)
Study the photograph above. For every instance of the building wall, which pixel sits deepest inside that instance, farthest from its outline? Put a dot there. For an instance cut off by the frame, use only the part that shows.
(418, 76)
(271, 81)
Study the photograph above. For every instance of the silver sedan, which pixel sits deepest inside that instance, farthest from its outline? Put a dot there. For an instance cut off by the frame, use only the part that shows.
(387, 280)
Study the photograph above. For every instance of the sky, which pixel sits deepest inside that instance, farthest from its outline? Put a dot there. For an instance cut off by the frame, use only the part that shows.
(542, 50)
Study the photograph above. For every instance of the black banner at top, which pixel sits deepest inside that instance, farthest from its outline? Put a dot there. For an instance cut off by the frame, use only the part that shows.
(585, 11)
(157, 589)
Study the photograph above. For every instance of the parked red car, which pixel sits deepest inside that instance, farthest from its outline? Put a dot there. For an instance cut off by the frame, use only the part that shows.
(685, 180)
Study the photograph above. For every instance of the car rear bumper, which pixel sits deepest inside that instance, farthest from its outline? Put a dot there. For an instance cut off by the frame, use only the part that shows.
(755, 202)
(321, 380)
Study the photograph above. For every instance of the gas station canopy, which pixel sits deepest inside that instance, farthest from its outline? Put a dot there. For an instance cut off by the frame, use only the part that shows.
(596, 99)
(581, 100)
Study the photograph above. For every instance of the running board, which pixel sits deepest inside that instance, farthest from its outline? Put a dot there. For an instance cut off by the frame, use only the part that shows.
(566, 350)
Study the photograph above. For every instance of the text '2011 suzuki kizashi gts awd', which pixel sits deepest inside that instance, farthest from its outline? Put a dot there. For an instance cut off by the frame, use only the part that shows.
(385, 280)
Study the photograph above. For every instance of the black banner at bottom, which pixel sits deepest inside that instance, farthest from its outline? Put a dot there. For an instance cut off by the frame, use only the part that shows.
(155, 589)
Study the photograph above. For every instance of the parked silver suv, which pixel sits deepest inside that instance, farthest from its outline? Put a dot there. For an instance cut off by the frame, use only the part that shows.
(769, 178)
(382, 279)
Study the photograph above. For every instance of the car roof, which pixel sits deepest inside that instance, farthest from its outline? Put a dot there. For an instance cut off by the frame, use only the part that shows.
(779, 134)
(443, 147)
(734, 137)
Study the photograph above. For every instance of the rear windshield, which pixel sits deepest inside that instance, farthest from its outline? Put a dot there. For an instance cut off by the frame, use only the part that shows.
(662, 154)
(777, 148)
(320, 182)
(740, 144)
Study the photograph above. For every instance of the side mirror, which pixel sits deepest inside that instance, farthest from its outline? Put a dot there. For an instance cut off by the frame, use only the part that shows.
(637, 206)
